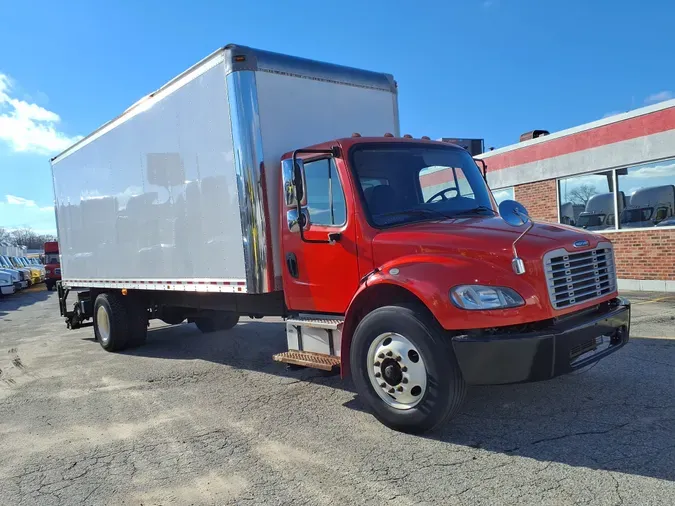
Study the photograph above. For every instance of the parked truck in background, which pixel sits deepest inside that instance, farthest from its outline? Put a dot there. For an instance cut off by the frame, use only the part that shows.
(599, 212)
(649, 207)
(52, 264)
(258, 184)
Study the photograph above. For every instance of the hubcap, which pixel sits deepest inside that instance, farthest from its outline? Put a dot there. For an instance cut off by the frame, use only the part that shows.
(396, 370)
(103, 324)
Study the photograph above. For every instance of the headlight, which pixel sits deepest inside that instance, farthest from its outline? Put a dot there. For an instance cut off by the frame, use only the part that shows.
(479, 297)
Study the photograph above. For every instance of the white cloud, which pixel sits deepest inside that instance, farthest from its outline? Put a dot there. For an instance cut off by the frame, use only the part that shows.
(653, 171)
(659, 97)
(489, 3)
(18, 212)
(28, 127)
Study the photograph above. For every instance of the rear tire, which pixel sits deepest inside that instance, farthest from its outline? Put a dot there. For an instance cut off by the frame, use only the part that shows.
(214, 323)
(119, 322)
(111, 322)
(419, 349)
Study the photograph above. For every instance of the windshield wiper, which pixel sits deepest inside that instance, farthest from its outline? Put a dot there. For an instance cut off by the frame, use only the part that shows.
(474, 210)
(416, 210)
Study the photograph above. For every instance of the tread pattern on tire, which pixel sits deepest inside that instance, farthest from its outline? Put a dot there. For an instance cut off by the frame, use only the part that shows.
(119, 324)
(457, 390)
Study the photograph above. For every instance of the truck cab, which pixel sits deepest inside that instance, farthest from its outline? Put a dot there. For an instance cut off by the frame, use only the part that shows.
(599, 212)
(649, 207)
(401, 241)
(52, 264)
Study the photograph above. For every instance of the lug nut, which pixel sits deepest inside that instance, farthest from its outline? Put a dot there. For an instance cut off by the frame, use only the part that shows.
(377, 375)
(404, 380)
(381, 355)
(400, 389)
(383, 384)
(404, 368)
(391, 390)
(377, 364)
(389, 353)
(398, 358)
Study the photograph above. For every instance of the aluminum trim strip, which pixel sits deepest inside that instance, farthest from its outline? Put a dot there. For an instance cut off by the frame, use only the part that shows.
(175, 285)
(248, 161)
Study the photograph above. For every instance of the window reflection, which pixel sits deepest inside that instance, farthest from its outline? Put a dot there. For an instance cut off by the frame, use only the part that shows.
(587, 201)
(650, 194)
(503, 194)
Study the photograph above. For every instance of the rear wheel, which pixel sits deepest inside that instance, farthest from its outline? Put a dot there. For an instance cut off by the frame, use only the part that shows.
(405, 369)
(216, 322)
(119, 322)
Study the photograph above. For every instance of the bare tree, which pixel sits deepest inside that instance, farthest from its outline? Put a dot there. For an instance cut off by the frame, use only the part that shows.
(4, 235)
(27, 237)
(582, 194)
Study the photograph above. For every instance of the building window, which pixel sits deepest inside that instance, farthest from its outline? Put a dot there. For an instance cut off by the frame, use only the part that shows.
(650, 195)
(587, 201)
(503, 194)
(645, 197)
(325, 198)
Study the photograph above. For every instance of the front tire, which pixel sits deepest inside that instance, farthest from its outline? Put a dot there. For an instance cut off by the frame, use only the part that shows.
(405, 369)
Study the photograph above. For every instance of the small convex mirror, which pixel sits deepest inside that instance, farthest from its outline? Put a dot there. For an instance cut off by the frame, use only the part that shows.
(514, 213)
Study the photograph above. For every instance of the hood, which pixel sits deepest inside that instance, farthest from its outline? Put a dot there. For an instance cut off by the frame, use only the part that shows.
(488, 238)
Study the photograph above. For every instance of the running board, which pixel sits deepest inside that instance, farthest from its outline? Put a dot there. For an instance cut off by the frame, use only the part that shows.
(316, 323)
(308, 359)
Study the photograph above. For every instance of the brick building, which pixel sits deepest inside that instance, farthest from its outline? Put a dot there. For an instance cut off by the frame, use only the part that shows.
(615, 176)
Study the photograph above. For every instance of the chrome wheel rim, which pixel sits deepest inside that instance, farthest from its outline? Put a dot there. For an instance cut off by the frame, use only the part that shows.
(396, 370)
(103, 324)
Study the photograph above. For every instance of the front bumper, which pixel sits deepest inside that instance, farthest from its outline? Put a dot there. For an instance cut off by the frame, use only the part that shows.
(567, 345)
(7, 289)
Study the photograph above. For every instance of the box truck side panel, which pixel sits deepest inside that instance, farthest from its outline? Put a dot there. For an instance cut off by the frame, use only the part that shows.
(298, 111)
(154, 198)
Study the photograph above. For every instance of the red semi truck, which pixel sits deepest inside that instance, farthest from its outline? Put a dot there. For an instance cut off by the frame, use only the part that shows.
(239, 189)
(52, 264)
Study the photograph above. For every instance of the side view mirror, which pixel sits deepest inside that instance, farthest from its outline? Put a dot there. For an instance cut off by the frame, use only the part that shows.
(295, 221)
(294, 182)
(514, 213)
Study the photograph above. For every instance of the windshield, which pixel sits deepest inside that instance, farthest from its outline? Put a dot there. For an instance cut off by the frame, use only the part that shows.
(591, 220)
(636, 215)
(410, 183)
(3, 262)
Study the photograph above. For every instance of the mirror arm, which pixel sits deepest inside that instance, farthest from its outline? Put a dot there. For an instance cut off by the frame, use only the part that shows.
(334, 151)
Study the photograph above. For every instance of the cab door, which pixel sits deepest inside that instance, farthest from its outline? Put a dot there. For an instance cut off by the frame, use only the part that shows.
(320, 276)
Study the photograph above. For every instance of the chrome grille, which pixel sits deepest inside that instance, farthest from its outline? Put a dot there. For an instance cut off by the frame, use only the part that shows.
(576, 277)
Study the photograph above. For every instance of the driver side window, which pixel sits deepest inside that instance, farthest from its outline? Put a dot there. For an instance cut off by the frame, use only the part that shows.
(325, 198)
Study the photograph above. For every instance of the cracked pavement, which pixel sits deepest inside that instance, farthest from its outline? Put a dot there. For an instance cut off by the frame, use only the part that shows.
(211, 419)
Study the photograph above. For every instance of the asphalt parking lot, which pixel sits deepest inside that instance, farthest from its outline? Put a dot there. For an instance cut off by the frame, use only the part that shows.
(211, 419)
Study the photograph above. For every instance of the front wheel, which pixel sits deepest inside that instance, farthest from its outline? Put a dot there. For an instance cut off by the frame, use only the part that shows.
(405, 369)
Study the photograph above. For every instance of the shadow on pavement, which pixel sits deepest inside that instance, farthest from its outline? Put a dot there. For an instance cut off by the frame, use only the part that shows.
(618, 415)
(27, 297)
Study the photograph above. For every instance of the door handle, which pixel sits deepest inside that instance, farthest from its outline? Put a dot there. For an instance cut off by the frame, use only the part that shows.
(292, 264)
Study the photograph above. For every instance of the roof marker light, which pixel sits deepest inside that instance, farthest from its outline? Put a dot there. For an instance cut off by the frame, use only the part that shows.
(388, 134)
(426, 138)
(356, 134)
(407, 136)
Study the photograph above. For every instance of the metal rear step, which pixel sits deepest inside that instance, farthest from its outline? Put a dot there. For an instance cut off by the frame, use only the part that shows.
(316, 323)
(308, 359)
(313, 341)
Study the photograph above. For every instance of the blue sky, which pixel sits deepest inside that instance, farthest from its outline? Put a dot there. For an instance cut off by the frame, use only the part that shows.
(465, 68)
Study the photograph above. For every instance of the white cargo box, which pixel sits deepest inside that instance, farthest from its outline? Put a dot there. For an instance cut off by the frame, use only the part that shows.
(181, 191)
